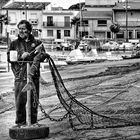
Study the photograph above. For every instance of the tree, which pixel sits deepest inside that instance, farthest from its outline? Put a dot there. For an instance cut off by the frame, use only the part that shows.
(4, 19)
(75, 22)
(3, 2)
(77, 6)
(115, 28)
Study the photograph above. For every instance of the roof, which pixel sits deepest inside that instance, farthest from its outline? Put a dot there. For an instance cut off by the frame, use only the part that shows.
(57, 13)
(3, 2)
(131, 5)
(29, 5)
(96, 14)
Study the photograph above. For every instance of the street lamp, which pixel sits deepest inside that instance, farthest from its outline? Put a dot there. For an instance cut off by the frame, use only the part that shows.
(80, 34)
(126, 16)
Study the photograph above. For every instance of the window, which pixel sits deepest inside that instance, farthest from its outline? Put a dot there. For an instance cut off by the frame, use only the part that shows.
(66, 32)
(85, 22)
(1, 28)
(49, 21)
(102, 23)
(108, 34)
(138, 34)
(130, 34)
(67, 21)
(120, 35)
(50, 33)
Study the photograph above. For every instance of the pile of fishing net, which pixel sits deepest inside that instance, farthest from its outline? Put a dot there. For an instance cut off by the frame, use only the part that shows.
(104, 115)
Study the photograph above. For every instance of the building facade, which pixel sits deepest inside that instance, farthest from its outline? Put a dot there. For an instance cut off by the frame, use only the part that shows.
(96, 23)
(128, 19)
(100, 14)
(54, 23)
(49, 23)
(98, 17)
(57, 24)
(30, 11)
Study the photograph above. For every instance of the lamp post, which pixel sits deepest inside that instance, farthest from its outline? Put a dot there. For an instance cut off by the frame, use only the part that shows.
(7, 34)
(80, 33)
(126, 16)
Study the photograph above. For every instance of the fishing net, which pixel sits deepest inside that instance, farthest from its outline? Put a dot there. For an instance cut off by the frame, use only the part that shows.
(100, 115)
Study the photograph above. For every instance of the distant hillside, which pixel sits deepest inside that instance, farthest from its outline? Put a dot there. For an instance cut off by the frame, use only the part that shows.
(3, 2)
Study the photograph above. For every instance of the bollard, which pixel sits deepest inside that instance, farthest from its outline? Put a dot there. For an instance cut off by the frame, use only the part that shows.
(29, 131)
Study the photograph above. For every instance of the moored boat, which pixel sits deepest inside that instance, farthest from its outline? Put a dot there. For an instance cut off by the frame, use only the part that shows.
(76, 57)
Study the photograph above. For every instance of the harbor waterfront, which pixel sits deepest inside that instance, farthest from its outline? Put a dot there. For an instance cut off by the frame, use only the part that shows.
(89, 83)
(61, 57)
(92, 84)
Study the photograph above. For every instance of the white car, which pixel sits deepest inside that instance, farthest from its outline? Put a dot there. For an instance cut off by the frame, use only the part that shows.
(110, 45)
(82, 46)
(126, 46)
(88, 37)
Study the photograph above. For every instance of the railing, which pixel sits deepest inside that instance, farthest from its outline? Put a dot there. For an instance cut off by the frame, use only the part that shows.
(57, 24)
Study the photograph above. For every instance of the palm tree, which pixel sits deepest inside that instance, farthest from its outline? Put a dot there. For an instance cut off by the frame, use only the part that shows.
(75, 21)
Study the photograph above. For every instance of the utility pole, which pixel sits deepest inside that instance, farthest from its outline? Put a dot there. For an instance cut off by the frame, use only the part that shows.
(126, 16)
(7, 34)
(80, 33)
(25, 7)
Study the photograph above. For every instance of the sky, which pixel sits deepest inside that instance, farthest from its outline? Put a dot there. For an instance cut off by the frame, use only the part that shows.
(66, 3)
(63, 3)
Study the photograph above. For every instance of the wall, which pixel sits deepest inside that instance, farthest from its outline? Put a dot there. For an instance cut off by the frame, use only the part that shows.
(100, 2)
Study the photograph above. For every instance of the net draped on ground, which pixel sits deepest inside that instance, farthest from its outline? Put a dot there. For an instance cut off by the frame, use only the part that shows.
(123, 113)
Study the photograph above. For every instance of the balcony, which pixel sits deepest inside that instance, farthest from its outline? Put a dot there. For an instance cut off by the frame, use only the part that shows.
(57, 24)
(47, 24)
(130, 23)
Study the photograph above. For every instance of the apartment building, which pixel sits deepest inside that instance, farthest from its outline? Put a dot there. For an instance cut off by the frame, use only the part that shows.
(96, 23)
(17, 11)
(129, 20)
(100, 14)
(57, 24)
(97, 17)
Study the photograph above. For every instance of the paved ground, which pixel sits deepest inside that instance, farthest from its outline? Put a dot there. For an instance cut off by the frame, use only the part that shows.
(91, 84)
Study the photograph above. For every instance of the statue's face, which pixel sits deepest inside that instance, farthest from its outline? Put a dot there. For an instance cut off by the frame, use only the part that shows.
(23, 31)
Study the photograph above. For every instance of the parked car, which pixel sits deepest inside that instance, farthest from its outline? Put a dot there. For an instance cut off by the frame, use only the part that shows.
(126, 46)
(137, 47)
(110, 45)
(88, 37)
(82, 46)
(66, 46)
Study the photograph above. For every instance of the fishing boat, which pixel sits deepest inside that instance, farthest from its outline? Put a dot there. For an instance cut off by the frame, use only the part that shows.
(135, 55)
(77, 57)
(131, 56)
